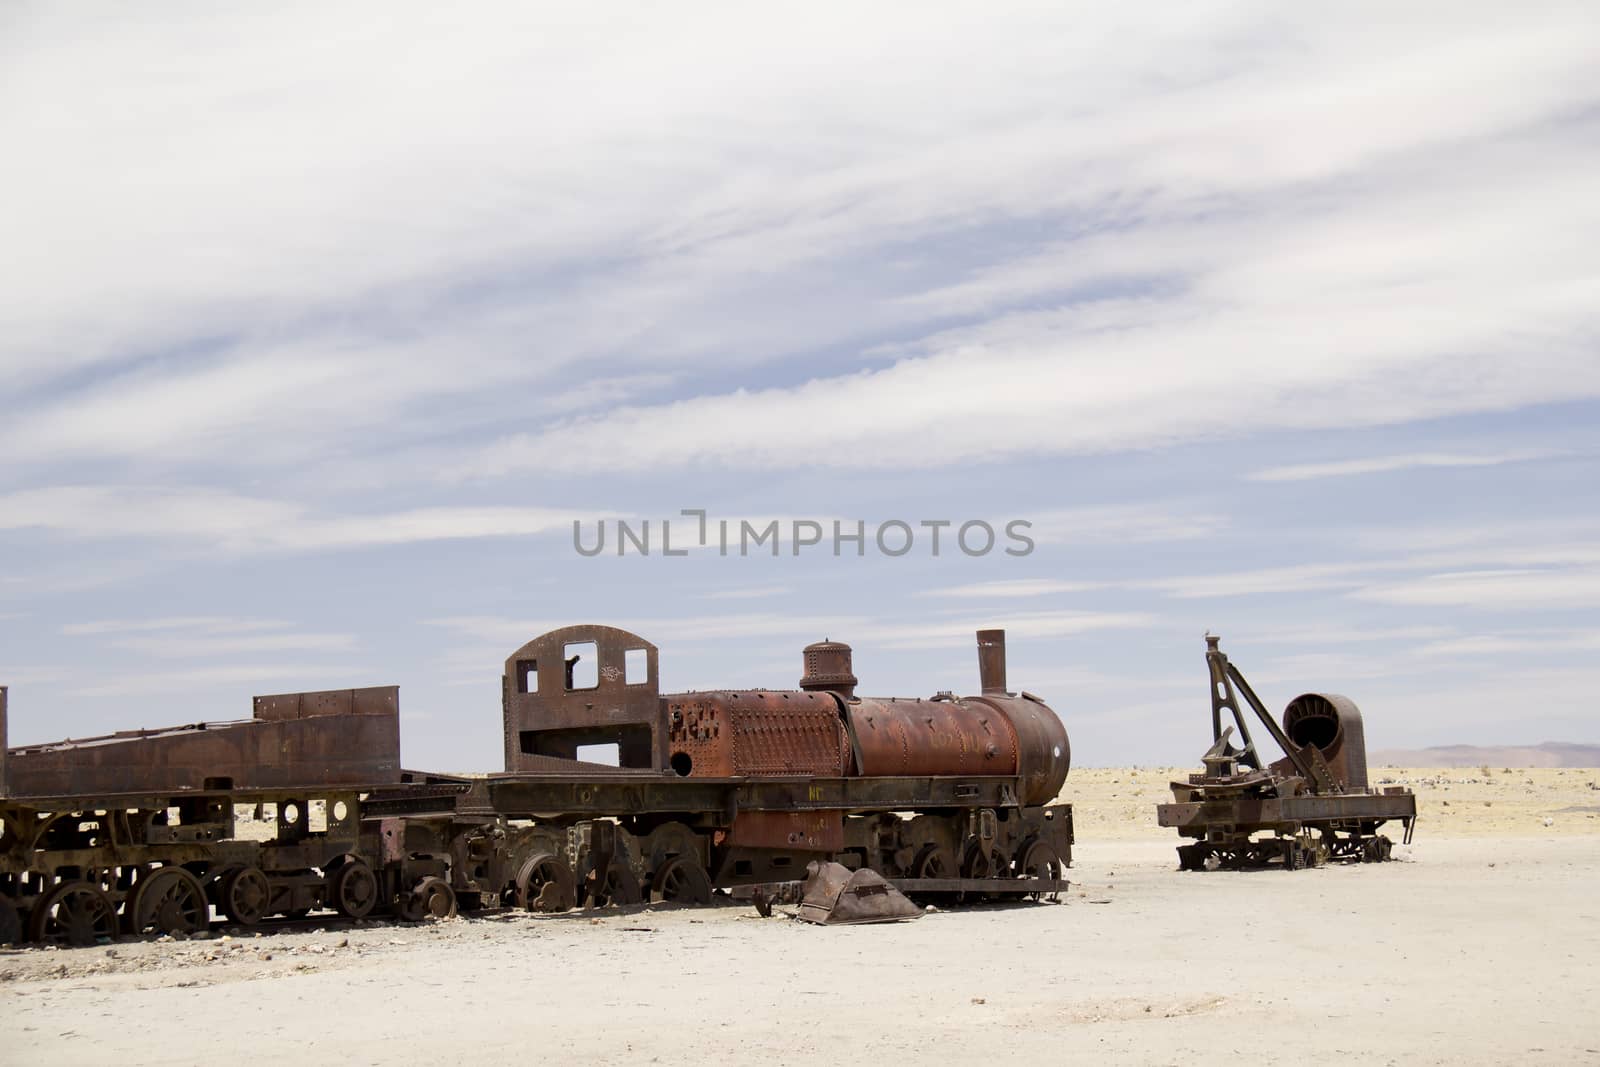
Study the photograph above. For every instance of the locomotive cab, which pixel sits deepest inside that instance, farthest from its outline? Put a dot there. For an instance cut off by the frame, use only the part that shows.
(581, 687)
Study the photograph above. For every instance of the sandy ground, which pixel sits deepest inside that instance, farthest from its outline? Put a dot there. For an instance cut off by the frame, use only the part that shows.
(1481, 945)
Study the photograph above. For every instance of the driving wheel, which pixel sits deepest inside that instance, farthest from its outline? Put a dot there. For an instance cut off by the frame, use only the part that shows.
(169, 900)
(355, 889)
(245, 895)
(683, 881)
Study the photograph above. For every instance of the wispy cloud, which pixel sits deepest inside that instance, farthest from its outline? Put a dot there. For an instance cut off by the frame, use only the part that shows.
(1494, 590)
(1146, 522)
(215, 624)
(1302, 472)
(1524, 642)
(235, 523)
(1339, 634)
(310, 676)
(1011, 589)
(1169, 238)
(1149, 293)
(193, 646)
(748, 593)
(17, 676)
(1299, 578)
(495, 636)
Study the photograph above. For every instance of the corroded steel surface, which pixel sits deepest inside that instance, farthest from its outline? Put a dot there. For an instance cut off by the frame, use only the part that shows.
(755, 733)
(345, 737)
(1332, 724)
(932, 737)
(834, 895)
(828, 666)
(801, 831)
(992, 662)
(572, 687)
(1044, 756)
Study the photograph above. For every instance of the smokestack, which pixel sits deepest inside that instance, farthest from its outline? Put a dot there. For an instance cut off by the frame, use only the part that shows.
(992, 662)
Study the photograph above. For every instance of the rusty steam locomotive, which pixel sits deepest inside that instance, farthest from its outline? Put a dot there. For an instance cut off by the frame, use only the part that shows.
(612, 793)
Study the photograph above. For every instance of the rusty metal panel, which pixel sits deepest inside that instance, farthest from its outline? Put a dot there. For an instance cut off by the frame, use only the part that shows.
(356, 748)
(932, 737)
(1332, 725)
(1247, 812)
(551, 711)
(801, 831)
(756, 733)
(834, 895)
(378, 700)
(1044, 755)
(992, 662)
(828, 668)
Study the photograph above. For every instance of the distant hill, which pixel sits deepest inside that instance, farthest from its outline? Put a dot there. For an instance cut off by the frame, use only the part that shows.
(1549, 754)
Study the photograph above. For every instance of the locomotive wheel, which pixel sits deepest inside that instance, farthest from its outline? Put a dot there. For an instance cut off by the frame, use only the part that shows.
(681, 881)
(1041, 861)
(432, 898)
(244, 895)
(169, 900)
(1294, 856)
(981, 862)
(932, 861)
(617, 885)
(355, 889)
(73, 913)
(546, 883)
(669, 840)
(1192, 857)
(10, 922)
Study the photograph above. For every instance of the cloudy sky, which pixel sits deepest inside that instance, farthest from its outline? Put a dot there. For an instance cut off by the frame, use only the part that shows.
(319, 325)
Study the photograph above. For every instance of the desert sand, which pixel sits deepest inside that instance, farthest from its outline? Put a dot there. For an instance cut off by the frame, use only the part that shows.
(1480, 944)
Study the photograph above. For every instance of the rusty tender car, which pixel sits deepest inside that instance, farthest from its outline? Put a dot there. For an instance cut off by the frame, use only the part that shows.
(141, 831)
